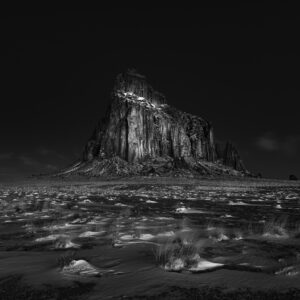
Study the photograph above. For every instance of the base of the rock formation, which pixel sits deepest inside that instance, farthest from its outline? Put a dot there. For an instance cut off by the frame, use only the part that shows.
(159, 166)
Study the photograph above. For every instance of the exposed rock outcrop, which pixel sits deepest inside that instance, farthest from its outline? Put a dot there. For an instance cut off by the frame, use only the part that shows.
(142, 134)
(230, 157)
(140, 124)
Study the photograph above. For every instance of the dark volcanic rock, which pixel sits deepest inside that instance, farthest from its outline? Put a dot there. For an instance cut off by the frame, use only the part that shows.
(293, 177)
(232, 158)
(142, 134)
(136, 127)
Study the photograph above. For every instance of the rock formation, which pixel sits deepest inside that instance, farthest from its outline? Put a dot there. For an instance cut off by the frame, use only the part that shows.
(142, 134)
(293, 177)
(230, 157)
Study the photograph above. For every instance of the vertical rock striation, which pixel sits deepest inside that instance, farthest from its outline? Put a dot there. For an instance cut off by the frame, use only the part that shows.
(139, 126)
(232, 158)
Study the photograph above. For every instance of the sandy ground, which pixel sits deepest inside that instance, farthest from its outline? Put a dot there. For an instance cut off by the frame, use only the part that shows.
(142, 236)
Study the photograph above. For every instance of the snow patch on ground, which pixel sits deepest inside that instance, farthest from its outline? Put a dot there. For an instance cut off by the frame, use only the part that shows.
(185, 210)
(237, 203)
(80, 267)
(91, 234)
(51, 237)
(146, 237)
(192, 264)
(151, 201)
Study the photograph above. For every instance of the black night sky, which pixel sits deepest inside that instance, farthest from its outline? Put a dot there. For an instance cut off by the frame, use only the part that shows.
(237, 67)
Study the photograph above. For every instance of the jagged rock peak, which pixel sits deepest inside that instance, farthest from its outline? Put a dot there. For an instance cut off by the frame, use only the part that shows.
(133, 86)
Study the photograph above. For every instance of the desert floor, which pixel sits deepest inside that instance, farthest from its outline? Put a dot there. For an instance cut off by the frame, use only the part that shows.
(150, 238)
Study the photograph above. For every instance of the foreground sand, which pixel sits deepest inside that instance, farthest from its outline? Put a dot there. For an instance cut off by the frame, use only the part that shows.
(142, 234)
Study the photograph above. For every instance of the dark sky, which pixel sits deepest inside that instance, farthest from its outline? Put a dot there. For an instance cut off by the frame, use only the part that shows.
(237, 67)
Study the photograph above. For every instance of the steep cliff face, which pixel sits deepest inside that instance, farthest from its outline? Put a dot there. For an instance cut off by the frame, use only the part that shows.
(230, 157)
(139, 124)
(141, 133)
